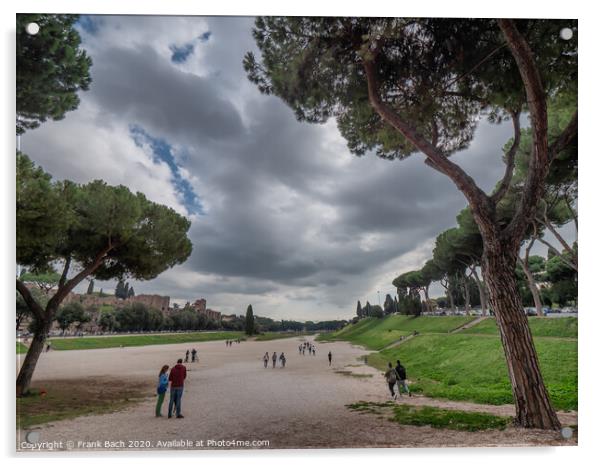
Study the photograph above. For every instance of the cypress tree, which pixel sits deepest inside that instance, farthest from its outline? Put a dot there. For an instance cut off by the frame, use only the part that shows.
(90, 287)
(249, 321)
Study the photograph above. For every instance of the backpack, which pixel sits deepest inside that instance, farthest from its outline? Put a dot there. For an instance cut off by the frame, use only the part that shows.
(392, 377)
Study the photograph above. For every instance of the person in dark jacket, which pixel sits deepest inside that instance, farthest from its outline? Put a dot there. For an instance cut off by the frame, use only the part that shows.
(177, 375)
(329, 358)
(391, 377)
(401, 378)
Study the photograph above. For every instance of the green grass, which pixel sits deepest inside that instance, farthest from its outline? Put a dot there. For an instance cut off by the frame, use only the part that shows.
(564, 327)
(105, 308)
(21, 348)
(473, 368)
(433, 417)
(59, 399)
(376, 333)
(139, 340)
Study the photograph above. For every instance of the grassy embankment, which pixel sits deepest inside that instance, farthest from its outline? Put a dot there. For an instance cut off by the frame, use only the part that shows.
(21, 348)
(562, 327)
(376, 333)
(469, 365)
(139, 340)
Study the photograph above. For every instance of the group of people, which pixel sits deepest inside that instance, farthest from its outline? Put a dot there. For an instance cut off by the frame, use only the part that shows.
(275, 357)
(229, 342)
(176, 378)
(192, 353)
(307, 346)
(174, 381)
(397, 376)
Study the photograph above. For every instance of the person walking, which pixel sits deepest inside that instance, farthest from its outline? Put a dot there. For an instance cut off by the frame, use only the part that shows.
(274, 357)
(194, 358)
(329, 358)
(187, 354)
(300, 348)
(401, 379)
(282, 359)
(266, 358)
(391, 378)
(177, 375)
(161, 389)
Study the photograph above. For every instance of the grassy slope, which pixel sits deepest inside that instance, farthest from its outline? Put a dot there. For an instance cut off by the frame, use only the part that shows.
(376, 333)
(21, 348)
(473, 367)
(565, 327)
(138, 340)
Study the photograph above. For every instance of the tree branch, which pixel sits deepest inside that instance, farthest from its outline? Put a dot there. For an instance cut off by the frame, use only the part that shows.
(476, 197)
(561, 240)
(32, 304)
(539, 161)
(502, 189)
(65, 271)
(73, 282)
(565, 138)
(557, 253)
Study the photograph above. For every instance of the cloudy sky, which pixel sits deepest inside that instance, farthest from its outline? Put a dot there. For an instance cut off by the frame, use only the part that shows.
(283, 216)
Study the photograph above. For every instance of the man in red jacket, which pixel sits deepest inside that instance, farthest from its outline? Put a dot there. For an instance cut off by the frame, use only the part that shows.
(177, 375)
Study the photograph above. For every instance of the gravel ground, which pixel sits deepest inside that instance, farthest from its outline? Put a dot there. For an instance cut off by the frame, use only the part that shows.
(230, 396)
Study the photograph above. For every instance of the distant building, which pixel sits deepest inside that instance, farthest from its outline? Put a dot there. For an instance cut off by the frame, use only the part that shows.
(213, 315)
(151, 300)
(200, 305)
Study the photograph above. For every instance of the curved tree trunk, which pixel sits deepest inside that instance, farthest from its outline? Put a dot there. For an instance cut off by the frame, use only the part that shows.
(482, 293)
(531, 399)
(466, 294)
(31, 358)
(426, 298)
(532, 287)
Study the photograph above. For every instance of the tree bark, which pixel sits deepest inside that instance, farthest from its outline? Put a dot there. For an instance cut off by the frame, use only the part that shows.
(33, 354)
(531, 398)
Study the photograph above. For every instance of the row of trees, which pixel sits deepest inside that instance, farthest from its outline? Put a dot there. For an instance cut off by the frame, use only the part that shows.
(123, 290)
(255, 324)
(458, 254)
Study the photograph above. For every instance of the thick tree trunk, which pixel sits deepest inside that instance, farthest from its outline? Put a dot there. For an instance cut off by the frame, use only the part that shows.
(450, 297)
(531, 399)
(466, 295)
(482, 293)
(532, 287)
(33, 354)
(427, 299)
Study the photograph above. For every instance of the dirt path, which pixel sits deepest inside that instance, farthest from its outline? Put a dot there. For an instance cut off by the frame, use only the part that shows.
(472, 323)
(230, 396)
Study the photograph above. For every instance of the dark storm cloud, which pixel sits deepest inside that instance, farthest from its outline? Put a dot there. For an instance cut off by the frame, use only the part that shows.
(139, 85)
